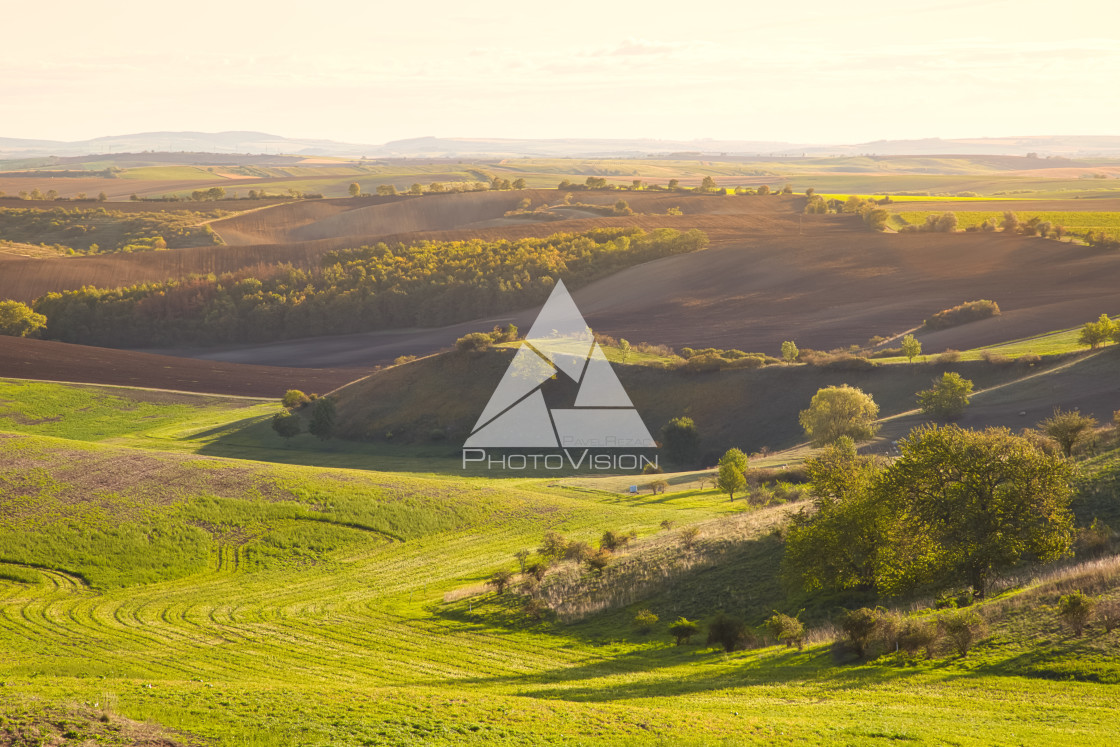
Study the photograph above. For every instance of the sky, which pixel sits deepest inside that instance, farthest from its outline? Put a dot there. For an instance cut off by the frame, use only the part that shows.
(374, 71)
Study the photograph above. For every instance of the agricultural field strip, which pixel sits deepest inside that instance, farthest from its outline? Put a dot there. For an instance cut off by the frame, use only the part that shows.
(1070, 219)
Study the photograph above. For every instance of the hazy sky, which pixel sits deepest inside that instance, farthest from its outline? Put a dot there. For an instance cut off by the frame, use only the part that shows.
(373, 71)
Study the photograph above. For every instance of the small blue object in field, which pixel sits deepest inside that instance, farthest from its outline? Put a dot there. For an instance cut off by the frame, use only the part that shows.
(633, 488)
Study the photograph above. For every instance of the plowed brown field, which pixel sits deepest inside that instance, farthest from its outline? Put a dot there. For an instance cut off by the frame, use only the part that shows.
(59, 361)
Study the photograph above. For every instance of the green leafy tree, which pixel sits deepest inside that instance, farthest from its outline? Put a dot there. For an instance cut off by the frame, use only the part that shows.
(837, 411)
(416, 189)
(19, 320)
(790, 351)
(294, 398)
(947, 398)
(674, 185)
(764, 190)
(355, 189)
(683, 630)
(624, 350)
(286, 424)
(911, 348)
(1095, 334)
(322, 418)
(1067, 428)
(680, 440)
(708, 184)
(519, 183)
(732, 472)
(967, 504)
(837, 544)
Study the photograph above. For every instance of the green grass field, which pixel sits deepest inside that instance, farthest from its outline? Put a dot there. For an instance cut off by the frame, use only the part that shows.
(253, 603)
(1058, 342)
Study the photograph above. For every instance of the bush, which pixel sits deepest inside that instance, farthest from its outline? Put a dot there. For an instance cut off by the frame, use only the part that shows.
(916, 634)
(947, 398)
(727, 631)
(949, 356)
(500, 581)
(998, 359)
(644, 622)
(859, 626)
(683, 630)
(598, 560)
(970, 311)
(962, 629)
(1108, 614)
(1075, 610)
(786, 629)
(615, 540)
(294, 398)
(475, 341)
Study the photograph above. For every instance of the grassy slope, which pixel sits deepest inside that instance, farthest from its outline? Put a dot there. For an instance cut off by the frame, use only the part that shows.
(342, 636)
(745, 408)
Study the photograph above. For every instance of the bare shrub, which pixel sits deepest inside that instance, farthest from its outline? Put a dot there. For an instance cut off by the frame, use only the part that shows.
(1108, 614)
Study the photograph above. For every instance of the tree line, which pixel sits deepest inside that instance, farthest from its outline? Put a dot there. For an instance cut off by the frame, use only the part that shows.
(102, 231)
(431, 283)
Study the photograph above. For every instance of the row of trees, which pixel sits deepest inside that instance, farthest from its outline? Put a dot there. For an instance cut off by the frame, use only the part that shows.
(52, 195)
(707, 185)
(354, 290)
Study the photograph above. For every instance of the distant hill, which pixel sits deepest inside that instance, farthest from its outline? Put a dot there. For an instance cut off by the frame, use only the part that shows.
(248, 142)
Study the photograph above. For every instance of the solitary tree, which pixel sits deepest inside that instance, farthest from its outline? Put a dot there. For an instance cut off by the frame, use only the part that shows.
(680, 440)
(1067, 428)
(837, 411)
(322, 418)
(683, 630)
(355, 189)
(708, 184)
(19, 320)
(966, 504)
(286, 424)
(947, 398)
(732, 469)
(911, 348)
(790, 351)
(624, 349)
